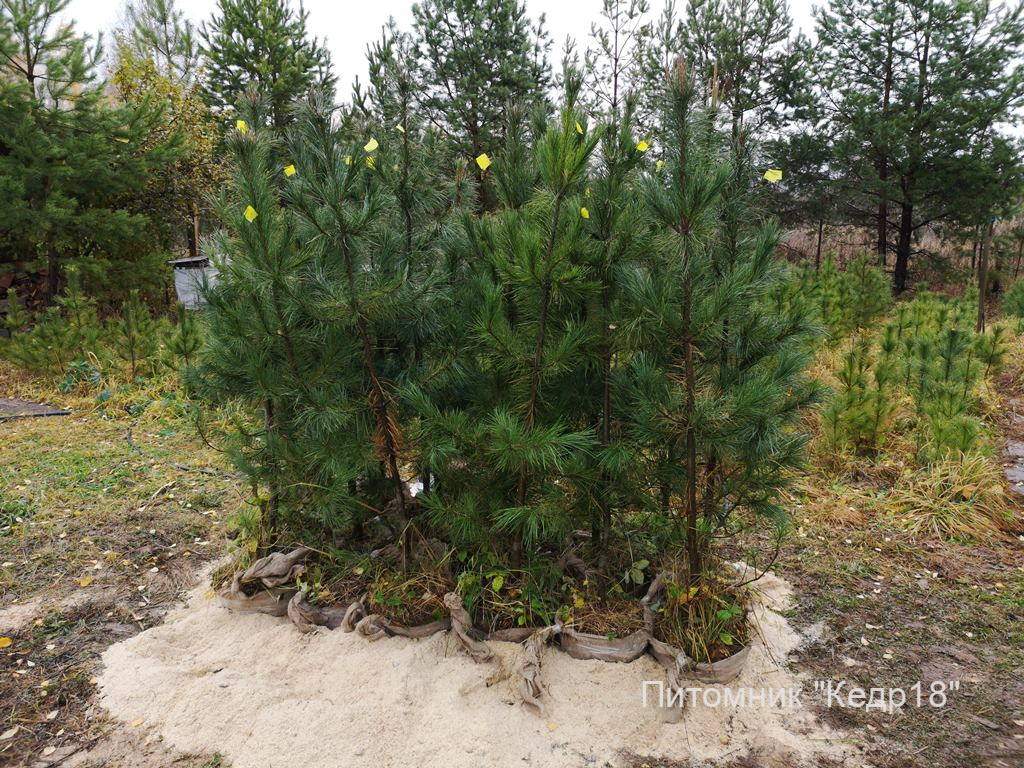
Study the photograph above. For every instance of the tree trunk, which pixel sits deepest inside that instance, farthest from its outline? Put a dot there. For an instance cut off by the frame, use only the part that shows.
(1020, 253)
(52, 275)
(986, 244)
(273, 499)
(817, 250)
(974, 250)
(902, 269)
(599, 534)
(193, 239)
(882, 243)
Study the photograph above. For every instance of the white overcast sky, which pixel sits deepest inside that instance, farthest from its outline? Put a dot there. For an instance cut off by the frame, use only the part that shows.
(349, 25)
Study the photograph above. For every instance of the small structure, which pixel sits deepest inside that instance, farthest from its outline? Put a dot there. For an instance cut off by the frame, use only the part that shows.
(13, 408)
(191, 276)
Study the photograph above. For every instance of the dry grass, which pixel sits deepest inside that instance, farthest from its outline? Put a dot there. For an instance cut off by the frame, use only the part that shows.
(961, 496)
(410, 600)
(113, 510)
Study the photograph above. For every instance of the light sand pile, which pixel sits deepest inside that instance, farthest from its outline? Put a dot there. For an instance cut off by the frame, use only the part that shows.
(253, 689)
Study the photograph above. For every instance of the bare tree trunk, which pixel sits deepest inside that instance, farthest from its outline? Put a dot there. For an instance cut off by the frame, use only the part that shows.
(193, 240)
(817, 251)
(52, 275)
(902, 267)
(273, 499)
(986, 245)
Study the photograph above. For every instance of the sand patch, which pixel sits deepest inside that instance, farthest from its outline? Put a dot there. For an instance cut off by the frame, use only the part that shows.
(253, 689)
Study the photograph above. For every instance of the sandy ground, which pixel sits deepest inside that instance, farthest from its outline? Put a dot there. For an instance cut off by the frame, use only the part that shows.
(254, 690)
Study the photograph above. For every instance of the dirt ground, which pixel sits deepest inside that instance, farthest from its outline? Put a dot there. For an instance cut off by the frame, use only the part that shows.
(107, 515)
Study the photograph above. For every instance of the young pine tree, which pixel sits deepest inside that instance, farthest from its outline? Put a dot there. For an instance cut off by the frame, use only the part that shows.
(185, 340)
(505, 452)
(726, 401)
(137, 340)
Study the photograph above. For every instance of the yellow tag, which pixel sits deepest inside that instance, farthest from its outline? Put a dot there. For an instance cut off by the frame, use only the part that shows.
(250, 214)
(371, 146)
(289, 170)
(483, 161)
(584, 213)
(660, 164)
(370, 162)
(5, 642)
(642, 146)
(348, 159)
(773, 175)
(241, 126)
(579, 128)
(400, 129)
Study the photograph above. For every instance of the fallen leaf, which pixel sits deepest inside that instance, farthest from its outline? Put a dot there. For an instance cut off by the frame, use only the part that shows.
(5, 642)
(9, 733)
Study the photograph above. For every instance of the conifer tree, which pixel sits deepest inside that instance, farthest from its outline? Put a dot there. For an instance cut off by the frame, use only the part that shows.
(735, 383)
(186, 340)
(267, 349)
(745, 49)
(71, 160)
(158, 30)
(263, 47)
(615, 241)
(300, 326)
(137, 342)
(914, 91)
(476, 58)
(503, 457)
(429, 203)
(613, 63)
(377, 289)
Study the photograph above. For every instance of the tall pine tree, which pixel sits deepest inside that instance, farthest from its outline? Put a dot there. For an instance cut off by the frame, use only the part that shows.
(476, 58)
(262, 46)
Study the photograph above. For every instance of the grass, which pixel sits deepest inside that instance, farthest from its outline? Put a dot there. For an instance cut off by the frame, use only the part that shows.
(105, 516)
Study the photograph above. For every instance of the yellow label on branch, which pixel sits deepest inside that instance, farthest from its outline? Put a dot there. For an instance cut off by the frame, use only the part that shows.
(642, 146)
(579, 128)
(241, 126)
(289, 170)
(250, 214)
(483, 161)
(371, 146)
(584, 213)
(773, 175)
